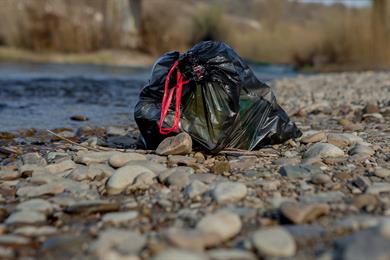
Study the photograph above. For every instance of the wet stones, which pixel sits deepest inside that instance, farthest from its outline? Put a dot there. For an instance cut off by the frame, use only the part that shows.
(175, 145)
(276, 242)
(229, 192)
(301, 213)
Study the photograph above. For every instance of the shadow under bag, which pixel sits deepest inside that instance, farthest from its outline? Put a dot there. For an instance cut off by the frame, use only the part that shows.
(211, 94)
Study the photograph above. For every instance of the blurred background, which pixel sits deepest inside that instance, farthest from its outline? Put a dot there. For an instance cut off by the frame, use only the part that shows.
(308, 34)
(62, 60)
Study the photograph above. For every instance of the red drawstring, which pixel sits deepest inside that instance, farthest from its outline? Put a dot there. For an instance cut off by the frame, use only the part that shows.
(167, 99)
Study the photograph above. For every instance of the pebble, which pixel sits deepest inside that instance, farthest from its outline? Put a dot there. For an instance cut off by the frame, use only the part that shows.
(314, 138)
(13, 240)
(179, 179)
(25, 217)
(274, 242)
(124, 241)
(323, 197)
(179, 254)
(188, 171)
(116, 131)
(33, 158)
(381, 172)
(119, 217)
(87, 207)
(38, 205)
(152, 166)
(95, 157)
(230, 254)
(323, 150)
(219, 227)
(32, 170)
(195, 188)
(144, 181)
(32, 231)
(378, 187)
(343, 139)
(226, 192)
(118, 160)
(384, 228)
(60, 167)
(361, 149)
(320, 179)
(300, 213)
(220, 167)
(299, 171)
(365, 201)
(123, 177)
(36, 191)
(363, 245)
(8, 175)
(189, 239)
(175, 145)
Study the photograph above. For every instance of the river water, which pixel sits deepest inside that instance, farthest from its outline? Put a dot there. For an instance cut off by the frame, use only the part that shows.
(45, 96)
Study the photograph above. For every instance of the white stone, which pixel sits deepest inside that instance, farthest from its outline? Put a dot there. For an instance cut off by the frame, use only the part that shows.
(118, 160)
(38, 205)
(25, 217)
(219, 227)
(177, 254)
(274, 242)
(229, 192)
(323, 150)
(123, 177)
(119, 217)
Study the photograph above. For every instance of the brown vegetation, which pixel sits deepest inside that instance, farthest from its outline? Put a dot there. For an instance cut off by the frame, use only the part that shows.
(278, 31)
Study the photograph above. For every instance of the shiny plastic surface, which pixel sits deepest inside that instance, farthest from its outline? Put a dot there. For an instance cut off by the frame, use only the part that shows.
(223, 105)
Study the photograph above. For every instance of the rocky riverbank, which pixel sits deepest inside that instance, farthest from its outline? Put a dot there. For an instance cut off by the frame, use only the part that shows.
(324, 196)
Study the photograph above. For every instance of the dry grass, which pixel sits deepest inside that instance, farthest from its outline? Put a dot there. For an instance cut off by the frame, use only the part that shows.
(277, 31)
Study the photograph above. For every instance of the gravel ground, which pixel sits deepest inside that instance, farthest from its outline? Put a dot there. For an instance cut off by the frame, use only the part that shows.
(323, 196)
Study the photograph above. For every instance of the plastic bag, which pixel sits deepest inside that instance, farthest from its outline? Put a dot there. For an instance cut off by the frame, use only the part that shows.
(210, 93)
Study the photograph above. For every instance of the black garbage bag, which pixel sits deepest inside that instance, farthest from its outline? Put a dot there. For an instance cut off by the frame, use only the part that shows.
(210, 93)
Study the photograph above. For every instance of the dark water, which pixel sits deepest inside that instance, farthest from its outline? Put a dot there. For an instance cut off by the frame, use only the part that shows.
(45, 96)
